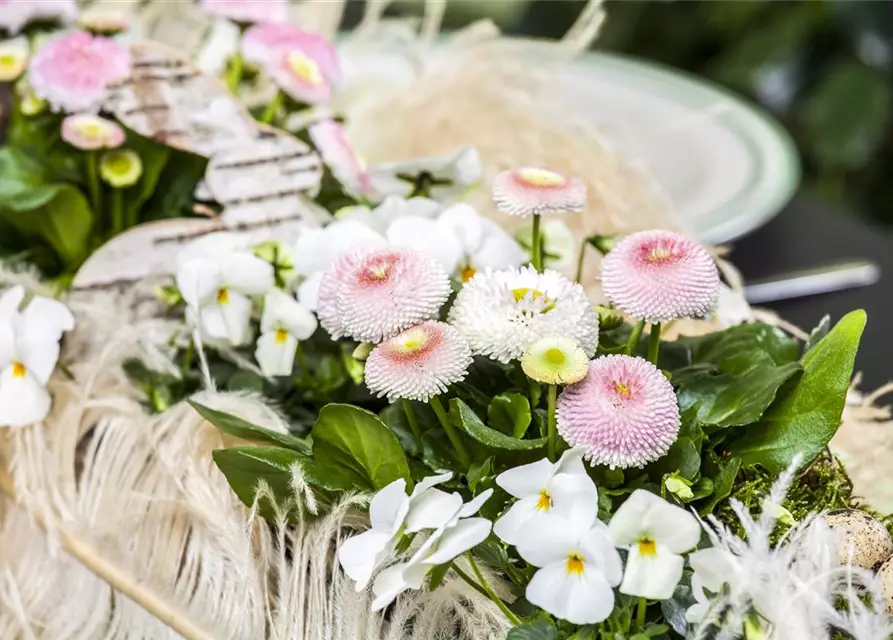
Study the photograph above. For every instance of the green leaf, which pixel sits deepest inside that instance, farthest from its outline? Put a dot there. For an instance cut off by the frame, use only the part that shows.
(66, 221)
(463, 417)
(744, 338)
(395, 418)
(479, 472)
(747, 397)
(354, 443)
(154, 158)
(437, 574)
(723, 477)
(805, 420)
(246, 467)
(24, 182)
(239, 428)
(180, 176)
(510, 414)
(537, 630)
(683, 457)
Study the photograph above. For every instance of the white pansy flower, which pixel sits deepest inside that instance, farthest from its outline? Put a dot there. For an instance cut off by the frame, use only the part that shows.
(655, 533)
(317, 249)
(217, 276)
(444, 178)
(29, 350)
(558, 240)
(393, 513)
(458, 533)
(391, 209)
(579, 566)
(713, 567)
(543, 490)
(284, 323)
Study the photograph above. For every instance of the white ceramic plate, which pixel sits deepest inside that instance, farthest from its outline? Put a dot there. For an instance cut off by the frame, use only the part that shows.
(726, 165)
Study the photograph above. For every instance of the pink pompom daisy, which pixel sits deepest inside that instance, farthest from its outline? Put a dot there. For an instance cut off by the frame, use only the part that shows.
(247, 11)
(89, 132)
(370, 295)
(623, 413)
(15, 14)
(266, 44)
(418, 363)
(535, 191)
(339, 155)
(659, 276)
(71, 72)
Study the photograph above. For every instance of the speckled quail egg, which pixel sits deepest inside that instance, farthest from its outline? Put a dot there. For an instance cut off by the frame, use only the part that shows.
(860, 534)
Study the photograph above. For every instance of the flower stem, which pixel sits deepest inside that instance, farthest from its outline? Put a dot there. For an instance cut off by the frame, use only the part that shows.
(234, 74)
(117, 211)
(553, 424)
(437, 405)
(413, 422)
(580, 260)
(654, 343)
(537, 249)
(634, 337)
(302, 363)
(495, 598)
(93, 182)
(640, 614)
(272, 109)
(470, 581)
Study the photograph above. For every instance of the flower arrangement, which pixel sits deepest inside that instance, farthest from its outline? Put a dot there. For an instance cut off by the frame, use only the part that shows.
(453, 410)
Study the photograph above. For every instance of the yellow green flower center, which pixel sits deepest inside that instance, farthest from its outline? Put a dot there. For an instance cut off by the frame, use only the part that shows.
(18, 370)
(541, 177)
(661, 253)
(647, 547)
(555, 356)
(622, 390)
(411, 341)
(91, 130)
(222, 296)
(9, 60)
(574, 564)
(544, 503)
(521, 293)
(304, 67)
(281, 336)
(467, 273)
(119, 163)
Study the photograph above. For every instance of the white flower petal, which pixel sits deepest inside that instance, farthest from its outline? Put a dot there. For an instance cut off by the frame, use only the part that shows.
(308, 292)
(430, 481)
(39, 354)
(713, 567)
(47, 318)
(464, 223)
(282, 311)
(233, 316)
(652, 576)
(528, 479)
(10, 302)
(578, 598)
(576, 499)
(550, 542)
(23, 400)
(276, 357)
(388, 508)
(456, 540)
(520, 515)
(247, 274)
(427, 237)
(626, 526)
(672, 526)
(498, 250)
(7, 344)
(311, 253)
(432, 509)
(316, 249)
(474, 505)
(211, 247)
(198, 281)
(599, 551)
(360, 555)
(388, 585)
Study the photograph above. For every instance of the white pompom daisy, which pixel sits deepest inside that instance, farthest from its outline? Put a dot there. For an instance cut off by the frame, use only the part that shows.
(501, 313)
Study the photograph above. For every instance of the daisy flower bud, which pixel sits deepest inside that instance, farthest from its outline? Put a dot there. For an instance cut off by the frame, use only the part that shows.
(536, 191)
(120, 168)
(371, 295)
(89, 132)
(623, 413)
(418, 363)
(555, 360)
(501, 313)
(331, 142)
(13, 58)
(659, 276)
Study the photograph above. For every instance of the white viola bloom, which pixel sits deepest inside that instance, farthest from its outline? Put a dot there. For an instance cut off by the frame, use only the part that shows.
(714, 567)
(458, 533)
(579, 566)
(393, 513)
(559, 243)
(655, 533)
(217, 276)
(29, 350)
(316, 249)
(445, 177)
(391, 209)
(543, 490)
(285, 322)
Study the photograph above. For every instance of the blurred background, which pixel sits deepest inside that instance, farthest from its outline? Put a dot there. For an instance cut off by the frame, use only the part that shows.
(824, 68)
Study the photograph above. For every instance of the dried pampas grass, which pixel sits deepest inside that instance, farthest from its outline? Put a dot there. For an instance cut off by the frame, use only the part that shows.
(116, 524)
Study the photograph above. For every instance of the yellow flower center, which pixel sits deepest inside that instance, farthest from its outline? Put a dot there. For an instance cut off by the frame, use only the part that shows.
(467, 273)
(574, 564)
(222, 296)
(18, 370)
(555, 356)
(304, 67)
(91, 130)
(119, 163)
(9, 60)
(541, 177)
(281, 336)
(521, 293)
(647, 547)
(544, 503)
(411, 341)
(661, 253)
(622, 390)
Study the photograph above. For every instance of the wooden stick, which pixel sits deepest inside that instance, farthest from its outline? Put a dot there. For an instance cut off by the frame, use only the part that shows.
(114, 576)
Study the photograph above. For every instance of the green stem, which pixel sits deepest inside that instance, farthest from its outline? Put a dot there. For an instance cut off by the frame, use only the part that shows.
(117, 211)
(437, 405)
(537, 249)
(640, 614)
(634, 337)
(272, 109)
(553, 426)
(413, 422)
(580, 260)
(470, 581)
(93, 183)
(495, 598)
(654, 343)
(234, 74)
